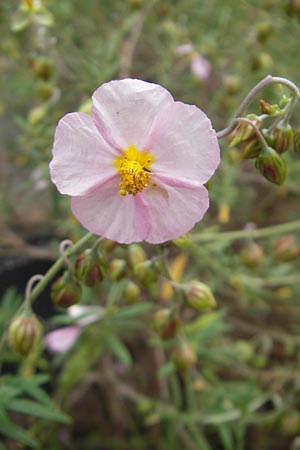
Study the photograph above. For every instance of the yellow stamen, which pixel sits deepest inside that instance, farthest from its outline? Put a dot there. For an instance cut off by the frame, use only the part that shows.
(134, 169)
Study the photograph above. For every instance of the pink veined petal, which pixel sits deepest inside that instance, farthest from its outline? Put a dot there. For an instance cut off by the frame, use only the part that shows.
(105, 212)
(124, 110)
(61, 340)
(175, 207)
(184, 143)
(82, 159)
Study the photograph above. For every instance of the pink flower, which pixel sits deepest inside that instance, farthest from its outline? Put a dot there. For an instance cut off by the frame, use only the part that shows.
(200, 67)
(136, 167)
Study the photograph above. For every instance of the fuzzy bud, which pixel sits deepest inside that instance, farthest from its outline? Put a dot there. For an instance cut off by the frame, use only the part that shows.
(296, 142)
(165, 323)
(136, 254)
(252, 255)
(184, 357)
(132, 292)
(117, 269)
(286, 248)
(25, 333)
(199, 296)
(282, 137)
(88, 268)
(66, 291)
(271, 166)
(244, 131)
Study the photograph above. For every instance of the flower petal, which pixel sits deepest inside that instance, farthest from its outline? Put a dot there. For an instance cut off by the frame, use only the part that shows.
(175, 206)
(82, 159)
(184, 143)
(62, 339)
(105, 212)
(124, 110)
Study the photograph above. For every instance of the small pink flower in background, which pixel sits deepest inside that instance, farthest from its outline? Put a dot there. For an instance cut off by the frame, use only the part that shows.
(200, 66)
(135, 168)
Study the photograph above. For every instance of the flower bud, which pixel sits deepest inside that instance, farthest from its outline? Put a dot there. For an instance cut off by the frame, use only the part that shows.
(251, 148)
(296, 142)
(166, 323)
(136, 254)
(263, 30)
(262, 61)
(37, 114)
(42, 68)
(88, 268)
(117, 268)
(244, 131)
(282, 137)
(66, 291)
(132, 292)
(184, 357)
(252, 255)
(24, 333)
(266, 108)
(271, 166)
(199, 296)
(145, 271)
(286, 248)
(232, 84)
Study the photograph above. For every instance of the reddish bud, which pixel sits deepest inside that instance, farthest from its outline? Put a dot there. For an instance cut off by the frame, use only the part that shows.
(266, 108)
(184, 357)
(271, 166)
(282, 137)
(296, 142)
(286, 248)
(117, 269)
(251, 148)
(24, 333)
(199, 296)
(165, 323)
(244, 131)
(252, 255)
(88, 268)
(66, 291)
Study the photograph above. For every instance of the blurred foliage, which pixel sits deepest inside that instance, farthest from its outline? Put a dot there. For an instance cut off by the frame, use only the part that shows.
(153, 372)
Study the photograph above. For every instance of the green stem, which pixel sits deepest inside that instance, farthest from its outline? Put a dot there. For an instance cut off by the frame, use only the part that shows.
(245, 234)
(56, 267)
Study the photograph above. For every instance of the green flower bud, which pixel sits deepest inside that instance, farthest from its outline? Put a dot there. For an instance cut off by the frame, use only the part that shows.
(252, 255)
(199, 296)
(282, 137)
(296, 142)
(88, 268)
(232, 84)
(271, 166)
(42, 68)
(25, 333)
(266, 108)
(132, 292)
(37, 114)
(286, 248)
(136, 254)
(117, 269)
(66, 291)
(244, 131)
(263, 31)
(165, 323)
(184, 357)
(251, 148)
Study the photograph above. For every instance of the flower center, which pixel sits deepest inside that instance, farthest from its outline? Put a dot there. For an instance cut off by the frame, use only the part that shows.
(134, 169)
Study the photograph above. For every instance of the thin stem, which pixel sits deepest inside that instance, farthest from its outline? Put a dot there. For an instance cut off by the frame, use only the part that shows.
(29, 287)
(56, 267)
(250, 97)
(245, 234)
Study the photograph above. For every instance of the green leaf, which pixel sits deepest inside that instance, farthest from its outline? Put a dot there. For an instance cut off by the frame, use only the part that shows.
(30, 387)
(16, 433)
(20, 21)
(120, 350)
(32, 408)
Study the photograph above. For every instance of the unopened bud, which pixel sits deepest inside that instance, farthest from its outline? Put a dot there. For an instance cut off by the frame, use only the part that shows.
(232, 84)
(296, 142)
(66, 291)
(117, 269)
(45, 90)
(251, 148)
(37, 114)
(271, 166)
(88, 268)
(145, 271)
(42, 68)
(286, 248)
(262, 61)
(252, 255)
(266, 108)
(132, 292)
(282, 137)
(25, 333)
(166, 323)
(244, 130)
(136, 254)
(184, 357)
(199, 296)
(263, 31)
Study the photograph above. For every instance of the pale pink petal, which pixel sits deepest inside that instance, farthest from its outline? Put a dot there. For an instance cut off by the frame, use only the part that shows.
(200, 67)
(106, 213)
(175, 207)
(184, 143)
(61, 340)
(124, 110)
(82, 159)
(184, 49)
